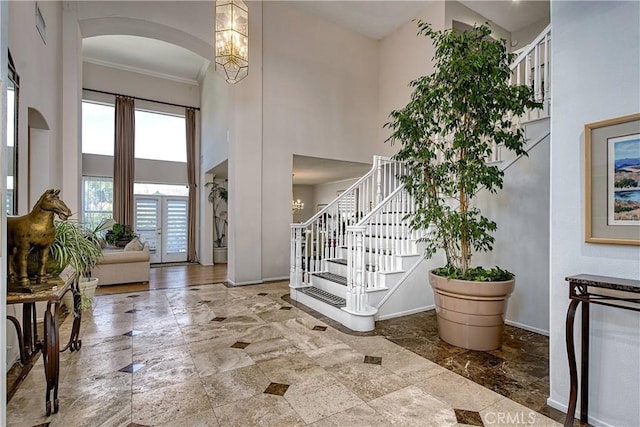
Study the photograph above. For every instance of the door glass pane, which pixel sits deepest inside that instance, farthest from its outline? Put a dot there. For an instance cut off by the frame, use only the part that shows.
(176, 231)
(147, 217)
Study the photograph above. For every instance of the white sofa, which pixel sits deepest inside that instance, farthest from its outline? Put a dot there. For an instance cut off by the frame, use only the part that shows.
(122, 266)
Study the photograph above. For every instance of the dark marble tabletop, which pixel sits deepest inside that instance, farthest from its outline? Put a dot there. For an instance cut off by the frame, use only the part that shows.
(606, 282)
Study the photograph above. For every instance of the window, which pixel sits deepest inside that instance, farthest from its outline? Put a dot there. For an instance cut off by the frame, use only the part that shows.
(160, 137)
(97, 199)
(98, 124)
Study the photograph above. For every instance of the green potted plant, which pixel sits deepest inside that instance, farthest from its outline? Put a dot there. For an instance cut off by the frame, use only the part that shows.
(119, 235)
(79, 247)
(447, 131)
(218, 193)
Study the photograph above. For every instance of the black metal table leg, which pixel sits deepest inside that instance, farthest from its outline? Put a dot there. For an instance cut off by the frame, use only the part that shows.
(584, 369)
(573, 371)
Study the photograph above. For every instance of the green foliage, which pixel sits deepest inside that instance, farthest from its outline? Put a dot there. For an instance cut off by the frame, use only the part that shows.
(477, 274)
(218, 193)
(626, 182)
(119, 232)
(447, 132)
(75, 245)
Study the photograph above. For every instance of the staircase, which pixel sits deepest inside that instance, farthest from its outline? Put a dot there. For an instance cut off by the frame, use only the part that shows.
(357, 260)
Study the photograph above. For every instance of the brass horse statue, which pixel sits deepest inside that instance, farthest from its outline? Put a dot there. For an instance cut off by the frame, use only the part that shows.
(33, 231)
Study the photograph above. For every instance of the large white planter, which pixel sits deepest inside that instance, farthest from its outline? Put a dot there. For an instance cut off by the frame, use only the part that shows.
(87, 286)
(220, 255)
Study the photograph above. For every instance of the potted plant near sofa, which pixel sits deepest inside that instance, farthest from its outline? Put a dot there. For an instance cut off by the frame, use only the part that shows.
(79, 247)
(218, 193)
(455, 118)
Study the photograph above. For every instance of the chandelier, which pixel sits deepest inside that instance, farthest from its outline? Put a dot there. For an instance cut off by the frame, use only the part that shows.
(296, 206)
(232, 39)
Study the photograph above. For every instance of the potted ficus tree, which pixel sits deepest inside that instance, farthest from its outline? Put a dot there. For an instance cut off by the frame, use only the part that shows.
(218, 197)
(447, 131)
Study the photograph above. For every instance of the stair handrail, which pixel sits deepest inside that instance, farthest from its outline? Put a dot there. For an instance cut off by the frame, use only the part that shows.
(531, 67)
(531, 46)
(344, 194)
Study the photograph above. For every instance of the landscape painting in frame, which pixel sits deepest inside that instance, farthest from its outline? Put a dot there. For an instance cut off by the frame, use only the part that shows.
(623, 198)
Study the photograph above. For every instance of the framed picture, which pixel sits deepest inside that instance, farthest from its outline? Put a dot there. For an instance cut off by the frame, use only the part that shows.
(612, 181)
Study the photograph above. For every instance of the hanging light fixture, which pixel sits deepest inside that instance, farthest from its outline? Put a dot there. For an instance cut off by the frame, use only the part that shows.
(296, 206)
(232, 39)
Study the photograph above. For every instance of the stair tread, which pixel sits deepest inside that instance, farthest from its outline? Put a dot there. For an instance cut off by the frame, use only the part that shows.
(332, 277)
(343, 261)
(324, 296)
(386, 237)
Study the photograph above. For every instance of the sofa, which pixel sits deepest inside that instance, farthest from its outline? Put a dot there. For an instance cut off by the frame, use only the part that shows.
(126, 265)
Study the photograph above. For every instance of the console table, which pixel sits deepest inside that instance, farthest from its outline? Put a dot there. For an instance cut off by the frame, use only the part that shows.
(588, 289)
(28, 340)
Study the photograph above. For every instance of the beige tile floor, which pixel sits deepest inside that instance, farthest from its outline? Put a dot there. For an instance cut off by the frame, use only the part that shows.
(218, 356)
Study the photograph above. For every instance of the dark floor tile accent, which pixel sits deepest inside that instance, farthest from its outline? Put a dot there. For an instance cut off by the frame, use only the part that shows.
(135, 310)
(131, 368)
(137, 425)
(205, 301)
(240, 344)
(132, 333)
(193, 289)
(286, 308)
(42, 425)
(319, 328)
(472, 418)
(277, 389)
(218, 319)
(133, 296)
(263, 294)
(374, 360)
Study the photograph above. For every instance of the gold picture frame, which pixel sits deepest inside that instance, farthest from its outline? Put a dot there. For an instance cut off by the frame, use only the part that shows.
(612, 181)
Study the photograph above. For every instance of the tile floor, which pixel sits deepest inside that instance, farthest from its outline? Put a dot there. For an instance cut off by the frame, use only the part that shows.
(217, 356)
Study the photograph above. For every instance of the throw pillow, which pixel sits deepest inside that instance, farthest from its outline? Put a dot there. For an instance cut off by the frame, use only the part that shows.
(133, 245)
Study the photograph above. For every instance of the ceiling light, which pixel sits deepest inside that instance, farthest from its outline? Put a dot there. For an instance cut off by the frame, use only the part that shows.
(296, 206)
(232, 39)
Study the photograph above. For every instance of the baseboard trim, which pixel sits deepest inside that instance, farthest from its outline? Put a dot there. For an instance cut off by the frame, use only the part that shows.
(407, 312)
(253, 282)
(527, 327)
(562, 407)
(276, 279)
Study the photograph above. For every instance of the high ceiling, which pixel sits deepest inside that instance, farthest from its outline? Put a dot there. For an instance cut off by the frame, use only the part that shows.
(313, 170)
(375, 19)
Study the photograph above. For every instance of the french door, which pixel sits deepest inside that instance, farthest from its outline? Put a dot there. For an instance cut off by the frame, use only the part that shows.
(162, 222)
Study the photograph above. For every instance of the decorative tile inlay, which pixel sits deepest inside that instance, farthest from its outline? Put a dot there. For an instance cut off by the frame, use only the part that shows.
(319, 328)
(42, 425)
(133, 296)
(135, 310)
(131, 368)
(472, 418)
(194, 289)
(277, 389)
(240, 344)
(205, 301)
(218, 319)
(137, 425)
(132, 333)
(285, 308)
(374, 360)
(263, 294)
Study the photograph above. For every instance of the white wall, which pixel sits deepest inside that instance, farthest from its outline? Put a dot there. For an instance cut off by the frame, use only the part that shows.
(521, 210)
(320, 100)
(109, 79)
(596, 64)
(523, 37)
(325, 193)
(403, 57)
(455, 11)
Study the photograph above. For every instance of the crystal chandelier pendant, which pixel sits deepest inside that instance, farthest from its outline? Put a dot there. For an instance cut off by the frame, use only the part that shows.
(232, 40)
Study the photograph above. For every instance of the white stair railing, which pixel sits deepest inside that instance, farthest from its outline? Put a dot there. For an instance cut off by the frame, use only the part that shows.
(323, 236)
(375, 244)
(532, 68)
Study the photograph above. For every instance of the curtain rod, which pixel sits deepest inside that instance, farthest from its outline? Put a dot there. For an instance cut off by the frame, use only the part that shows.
(141, 99)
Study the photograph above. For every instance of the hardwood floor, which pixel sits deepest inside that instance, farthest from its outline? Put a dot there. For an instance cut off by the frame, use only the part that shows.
(172, 277)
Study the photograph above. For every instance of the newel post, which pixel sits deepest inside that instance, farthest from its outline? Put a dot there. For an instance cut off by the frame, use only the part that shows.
(356, 296)
(295, 276)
